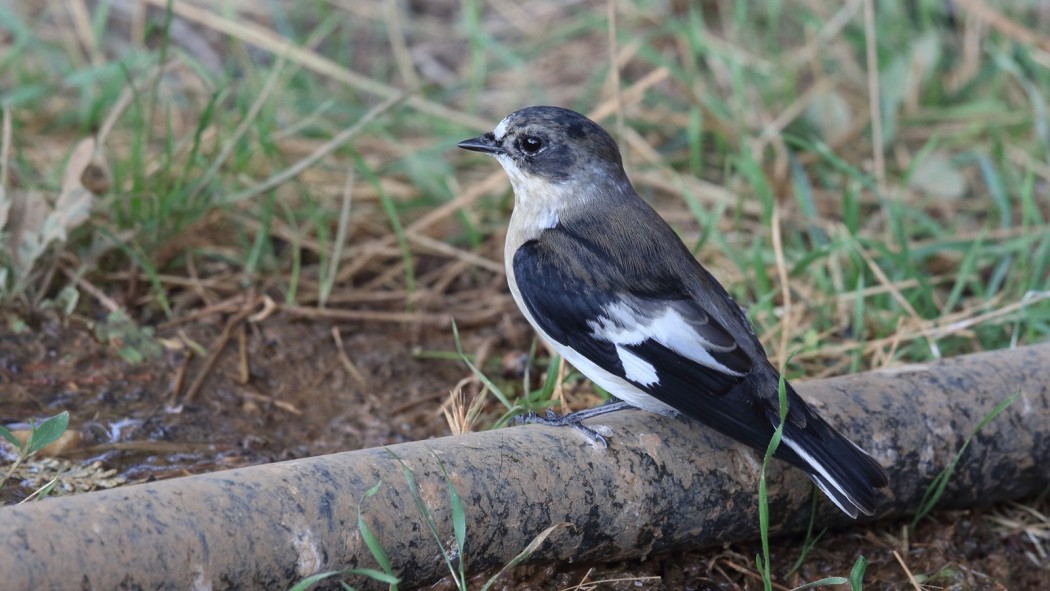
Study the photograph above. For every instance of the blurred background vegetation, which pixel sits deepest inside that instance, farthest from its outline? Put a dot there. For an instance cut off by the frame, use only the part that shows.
(902, 156)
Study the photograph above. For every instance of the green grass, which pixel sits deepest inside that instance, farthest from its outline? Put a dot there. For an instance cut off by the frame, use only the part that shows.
(236, 171)
(41, 435)
(937, 486)
(454, 558)
(385, 572)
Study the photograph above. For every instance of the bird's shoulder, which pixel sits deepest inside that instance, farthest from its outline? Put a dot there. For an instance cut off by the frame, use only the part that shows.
(631, 291)
(627, 247)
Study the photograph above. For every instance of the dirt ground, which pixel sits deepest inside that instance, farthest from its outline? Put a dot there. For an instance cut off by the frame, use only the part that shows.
(303, 400)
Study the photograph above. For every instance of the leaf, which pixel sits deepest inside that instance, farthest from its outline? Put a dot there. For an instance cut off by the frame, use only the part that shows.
(74, 202)
(375, 575)
(459, 518)
(5, 207)
(370, 539)
(477, 372)
(825, 582)
(65, 301)
(936, 176)
(310, 581)
(29, 209)
(372, 542)
(10, 437)
(79, 161)
(47, 432)
(42, 492)
(925, 54)
(830, 113)
(856, 575)
(132, 342)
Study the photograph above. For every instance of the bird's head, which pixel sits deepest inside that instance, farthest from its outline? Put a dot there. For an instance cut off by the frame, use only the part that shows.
(550, 152)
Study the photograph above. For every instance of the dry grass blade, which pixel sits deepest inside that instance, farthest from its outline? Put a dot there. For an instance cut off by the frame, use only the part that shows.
(78, 13)
(907, 571)
(224, 307)
(216, 350)
(632, 94)
(369, 315)
(460, 415)
(328, 282)
(100, 296)
(595, 584)
(885, 281)
(270, 41)
(614, 68)
(828, 32)
(1004, 25)
(454, 253)
(327, 148)
(785, 289)
(1028, 522)
(5, 155)
(243, 127)
(350, 367)
(874, 104)
(398, 44)
(527, 552)
(751, 574)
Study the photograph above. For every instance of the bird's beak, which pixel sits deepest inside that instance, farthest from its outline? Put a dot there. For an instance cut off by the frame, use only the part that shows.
(483, 143)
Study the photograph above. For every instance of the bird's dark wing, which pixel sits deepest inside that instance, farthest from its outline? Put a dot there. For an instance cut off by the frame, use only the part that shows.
(634, 321)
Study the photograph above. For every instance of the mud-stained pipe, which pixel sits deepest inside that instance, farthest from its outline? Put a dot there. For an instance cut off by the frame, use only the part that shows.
(663, 483)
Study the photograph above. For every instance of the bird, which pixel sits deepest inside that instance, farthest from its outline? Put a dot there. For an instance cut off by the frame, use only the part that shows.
(610, 286)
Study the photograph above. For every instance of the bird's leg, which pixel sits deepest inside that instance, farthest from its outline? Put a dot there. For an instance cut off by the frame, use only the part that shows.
(575, 419)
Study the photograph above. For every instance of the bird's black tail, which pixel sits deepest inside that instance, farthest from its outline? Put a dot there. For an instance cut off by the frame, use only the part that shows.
(841, 469)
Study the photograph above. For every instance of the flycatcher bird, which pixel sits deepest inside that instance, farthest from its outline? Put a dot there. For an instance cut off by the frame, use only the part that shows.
(611, 287)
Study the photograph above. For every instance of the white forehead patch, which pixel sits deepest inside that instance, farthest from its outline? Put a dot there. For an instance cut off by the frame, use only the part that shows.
(501, 129)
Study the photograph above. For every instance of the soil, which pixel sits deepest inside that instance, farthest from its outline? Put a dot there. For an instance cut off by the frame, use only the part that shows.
(297, 402)
(300, 399)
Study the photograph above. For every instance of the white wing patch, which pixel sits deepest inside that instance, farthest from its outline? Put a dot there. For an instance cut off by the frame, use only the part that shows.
(613, 384)
(637, 369)
(624, 325)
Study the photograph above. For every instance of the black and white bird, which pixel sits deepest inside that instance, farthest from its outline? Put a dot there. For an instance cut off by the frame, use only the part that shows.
(611, 287)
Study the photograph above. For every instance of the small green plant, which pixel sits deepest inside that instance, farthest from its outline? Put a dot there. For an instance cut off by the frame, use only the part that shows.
(825, 582)
(496, 391)
(810, 541)
(455, 560)
(856, 574)
(763, 561)
(386, 575)
(531, 399)
(936, 488)
(40, 436)
(132, 342)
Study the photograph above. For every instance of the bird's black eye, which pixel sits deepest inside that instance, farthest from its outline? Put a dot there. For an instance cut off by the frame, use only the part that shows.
(530, 144)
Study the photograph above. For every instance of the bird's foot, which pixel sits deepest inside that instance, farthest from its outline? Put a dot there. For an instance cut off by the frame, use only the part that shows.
(574, 420)
(552, 419)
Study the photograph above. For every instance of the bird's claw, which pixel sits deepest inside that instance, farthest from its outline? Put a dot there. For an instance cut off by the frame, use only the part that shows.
(553, 419)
